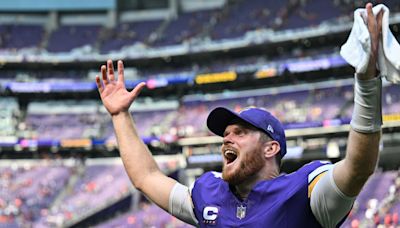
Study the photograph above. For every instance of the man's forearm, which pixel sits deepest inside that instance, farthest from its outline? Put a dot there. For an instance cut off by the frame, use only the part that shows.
(142, 169)
(363, 143)
(137, 159)
(351, 173)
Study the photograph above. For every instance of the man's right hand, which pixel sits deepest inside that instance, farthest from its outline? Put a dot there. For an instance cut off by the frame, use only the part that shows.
(113, 93)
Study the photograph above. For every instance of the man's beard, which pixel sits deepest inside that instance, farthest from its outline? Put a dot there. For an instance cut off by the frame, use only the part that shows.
(249, 166)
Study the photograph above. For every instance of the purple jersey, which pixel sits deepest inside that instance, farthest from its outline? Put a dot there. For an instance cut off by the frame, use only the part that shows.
(280, 202)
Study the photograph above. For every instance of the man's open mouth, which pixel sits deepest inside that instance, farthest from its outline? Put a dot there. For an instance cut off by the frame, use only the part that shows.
(230, 156)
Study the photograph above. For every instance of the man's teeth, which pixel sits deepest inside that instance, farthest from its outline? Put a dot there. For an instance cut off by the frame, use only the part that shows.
(230, 152)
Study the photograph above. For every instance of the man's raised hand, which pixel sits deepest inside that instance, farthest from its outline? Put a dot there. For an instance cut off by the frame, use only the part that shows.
(113, 93)
(374, 27)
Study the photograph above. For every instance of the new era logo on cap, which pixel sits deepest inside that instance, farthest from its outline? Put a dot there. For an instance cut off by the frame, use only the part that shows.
(270, 129)
(260, 118)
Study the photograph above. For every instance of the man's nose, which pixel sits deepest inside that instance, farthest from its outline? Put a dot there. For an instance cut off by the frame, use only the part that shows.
(227, 139)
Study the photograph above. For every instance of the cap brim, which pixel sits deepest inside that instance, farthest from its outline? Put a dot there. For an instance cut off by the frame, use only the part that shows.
(219, 119)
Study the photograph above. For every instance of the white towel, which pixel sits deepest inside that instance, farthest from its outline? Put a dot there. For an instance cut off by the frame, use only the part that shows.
(357, 49)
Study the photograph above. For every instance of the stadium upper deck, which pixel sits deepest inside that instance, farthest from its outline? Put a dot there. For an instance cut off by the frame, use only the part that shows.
(172, 30)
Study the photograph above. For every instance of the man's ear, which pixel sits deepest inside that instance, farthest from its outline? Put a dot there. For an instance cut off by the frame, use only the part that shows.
(271, 148)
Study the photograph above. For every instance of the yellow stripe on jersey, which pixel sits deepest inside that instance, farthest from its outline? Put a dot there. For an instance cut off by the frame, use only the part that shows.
(314, 182)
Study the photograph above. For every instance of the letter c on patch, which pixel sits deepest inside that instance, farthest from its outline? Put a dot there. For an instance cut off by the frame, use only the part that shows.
(210, 213)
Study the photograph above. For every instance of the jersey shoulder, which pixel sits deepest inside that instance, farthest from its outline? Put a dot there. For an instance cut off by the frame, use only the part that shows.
(315, 167)
(209, 180)
(315, 171)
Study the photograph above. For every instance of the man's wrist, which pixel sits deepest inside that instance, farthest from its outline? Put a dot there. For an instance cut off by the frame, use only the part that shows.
(371, 71)
(121, 115)
(367, 114)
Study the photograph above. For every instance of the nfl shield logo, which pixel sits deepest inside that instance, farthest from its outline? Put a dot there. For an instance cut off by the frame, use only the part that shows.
(241, 212)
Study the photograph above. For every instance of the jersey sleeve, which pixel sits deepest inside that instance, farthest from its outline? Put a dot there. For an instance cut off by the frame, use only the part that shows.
(329, 205)
(180, 204)
(316, 175)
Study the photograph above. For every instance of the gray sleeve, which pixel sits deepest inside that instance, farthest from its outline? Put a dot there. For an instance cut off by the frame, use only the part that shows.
(328, 204)
(180, 204)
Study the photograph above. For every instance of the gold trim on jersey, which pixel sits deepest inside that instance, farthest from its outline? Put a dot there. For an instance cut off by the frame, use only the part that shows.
(314, 182)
